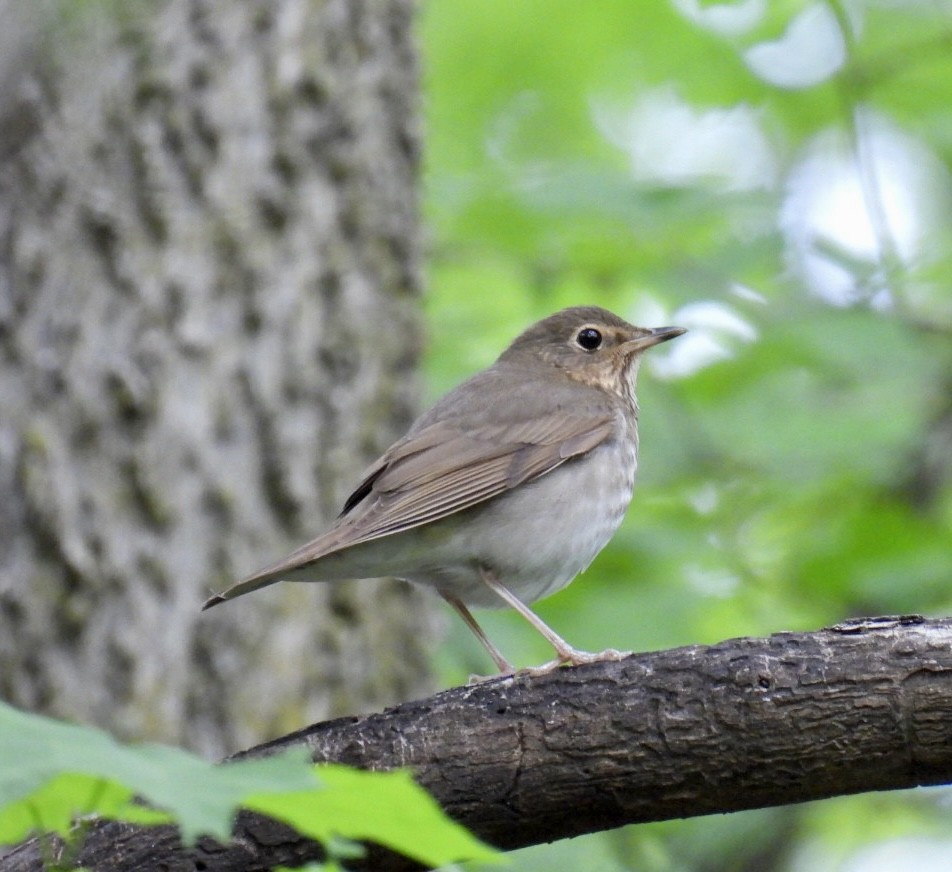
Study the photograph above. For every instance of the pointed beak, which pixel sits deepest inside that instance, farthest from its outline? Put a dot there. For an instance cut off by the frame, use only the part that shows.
(655, 337)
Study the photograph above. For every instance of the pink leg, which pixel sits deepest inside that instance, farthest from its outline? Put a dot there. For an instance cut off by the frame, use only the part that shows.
(565, 652)
(501, 662)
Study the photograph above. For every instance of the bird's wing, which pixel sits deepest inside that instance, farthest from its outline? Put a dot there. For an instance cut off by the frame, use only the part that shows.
(439, 470)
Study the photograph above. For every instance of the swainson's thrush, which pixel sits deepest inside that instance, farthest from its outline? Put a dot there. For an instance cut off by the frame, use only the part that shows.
(508, 487)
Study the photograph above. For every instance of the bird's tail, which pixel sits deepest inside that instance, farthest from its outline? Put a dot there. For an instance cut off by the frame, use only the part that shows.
(247, 586)
(291, 567)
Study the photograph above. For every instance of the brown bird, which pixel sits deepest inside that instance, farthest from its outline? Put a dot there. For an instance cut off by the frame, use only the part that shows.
(507, 488)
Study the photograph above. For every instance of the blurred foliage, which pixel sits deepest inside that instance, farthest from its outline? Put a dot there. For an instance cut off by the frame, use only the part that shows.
(55, 777)
(775, 177)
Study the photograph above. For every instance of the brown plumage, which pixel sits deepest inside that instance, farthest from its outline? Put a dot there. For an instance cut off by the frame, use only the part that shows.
(488, 498)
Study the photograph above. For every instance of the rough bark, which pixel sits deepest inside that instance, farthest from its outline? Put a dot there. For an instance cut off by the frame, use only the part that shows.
(748, 723)
(209, 322)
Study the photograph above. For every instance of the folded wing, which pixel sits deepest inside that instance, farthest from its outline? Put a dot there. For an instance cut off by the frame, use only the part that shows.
(440, 470)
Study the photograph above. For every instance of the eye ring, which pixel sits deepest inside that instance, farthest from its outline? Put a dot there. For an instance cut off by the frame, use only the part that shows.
(589, 339)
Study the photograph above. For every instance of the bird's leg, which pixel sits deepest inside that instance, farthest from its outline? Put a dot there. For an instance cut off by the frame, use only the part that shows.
(566, 653)
(501, 662)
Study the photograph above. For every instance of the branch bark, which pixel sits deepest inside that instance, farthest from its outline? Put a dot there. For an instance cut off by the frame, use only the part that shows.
(747, 723)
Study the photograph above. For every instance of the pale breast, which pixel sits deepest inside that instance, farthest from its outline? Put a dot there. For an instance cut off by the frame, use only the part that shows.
(538, 537)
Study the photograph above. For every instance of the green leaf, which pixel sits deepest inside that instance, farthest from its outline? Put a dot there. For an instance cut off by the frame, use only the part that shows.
(52, 771)
(54, 807)
(388, 808)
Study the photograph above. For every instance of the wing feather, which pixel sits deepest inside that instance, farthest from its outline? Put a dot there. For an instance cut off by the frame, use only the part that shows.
(439, 470)
(421, 482)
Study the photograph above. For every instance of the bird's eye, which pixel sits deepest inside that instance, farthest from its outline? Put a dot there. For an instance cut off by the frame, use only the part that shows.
(589, 338)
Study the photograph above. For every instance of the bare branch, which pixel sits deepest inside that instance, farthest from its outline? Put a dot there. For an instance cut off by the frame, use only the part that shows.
(747, 723)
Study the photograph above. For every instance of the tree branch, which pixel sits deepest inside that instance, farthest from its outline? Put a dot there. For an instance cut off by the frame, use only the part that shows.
(748, 723)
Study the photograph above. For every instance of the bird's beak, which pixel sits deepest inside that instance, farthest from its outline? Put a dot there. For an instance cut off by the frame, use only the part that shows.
(655, 337)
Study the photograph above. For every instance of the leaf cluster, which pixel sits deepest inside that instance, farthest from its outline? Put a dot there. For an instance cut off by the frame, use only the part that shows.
(55, 777)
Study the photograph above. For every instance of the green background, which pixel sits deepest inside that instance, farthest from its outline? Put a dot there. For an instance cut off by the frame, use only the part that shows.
(780, 186)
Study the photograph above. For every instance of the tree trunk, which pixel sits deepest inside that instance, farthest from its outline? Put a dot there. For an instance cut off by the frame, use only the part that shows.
(209, 322)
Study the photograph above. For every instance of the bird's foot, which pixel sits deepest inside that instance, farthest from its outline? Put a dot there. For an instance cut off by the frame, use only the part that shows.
(567, 657)
(575, 657)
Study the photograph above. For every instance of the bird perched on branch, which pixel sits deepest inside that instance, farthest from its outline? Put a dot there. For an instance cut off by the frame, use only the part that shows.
(507, 488)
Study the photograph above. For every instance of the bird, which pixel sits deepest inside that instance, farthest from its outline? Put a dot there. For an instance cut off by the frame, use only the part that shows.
(507, 488)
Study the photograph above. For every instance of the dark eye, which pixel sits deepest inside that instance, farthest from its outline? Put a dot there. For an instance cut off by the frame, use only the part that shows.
(589, 338)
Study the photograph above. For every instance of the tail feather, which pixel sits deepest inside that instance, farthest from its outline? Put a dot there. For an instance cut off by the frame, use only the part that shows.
(302, 559)
(247, 586)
